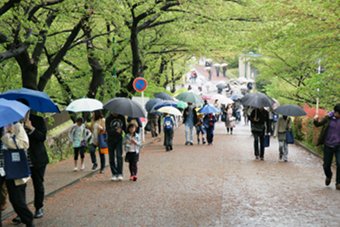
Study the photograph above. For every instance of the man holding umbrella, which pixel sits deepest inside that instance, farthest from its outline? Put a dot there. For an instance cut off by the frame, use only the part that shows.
(189, 120)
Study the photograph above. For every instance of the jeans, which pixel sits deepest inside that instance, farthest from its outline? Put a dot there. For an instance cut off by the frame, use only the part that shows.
(283, 149)
(327, 161)
(93, 149)
(168, 136)
(189, 133)
(37, 175)
(116, 157)
(259, 141)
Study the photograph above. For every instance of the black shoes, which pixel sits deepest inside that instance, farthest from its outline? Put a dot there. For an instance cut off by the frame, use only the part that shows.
(328, 181)
(16, 220)
(337, 186)
(94, 167)
(39, 213)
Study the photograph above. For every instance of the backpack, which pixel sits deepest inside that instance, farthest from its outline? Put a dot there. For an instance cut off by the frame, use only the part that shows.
(168, 124)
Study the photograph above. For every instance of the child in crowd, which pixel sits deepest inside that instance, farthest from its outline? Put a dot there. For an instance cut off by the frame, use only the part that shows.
(77, 136)
(132, 145)
(209, 124)
(200, 130)
(168, 125)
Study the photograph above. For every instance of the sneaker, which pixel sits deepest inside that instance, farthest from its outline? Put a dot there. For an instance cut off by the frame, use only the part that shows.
(170, 148)
(102, 170)
(135, 179)
(262, 158)
(94, 167)
(82, 167)
(187, 143)
(191, 143)
(257, 157)
(120, 177)
(337, 186)
(114, 178)
(39, 213)
(328, 181)
(75, 169)
(204, 142)
(16, 220)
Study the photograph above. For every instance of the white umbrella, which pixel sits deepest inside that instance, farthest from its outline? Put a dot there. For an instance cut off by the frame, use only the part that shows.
(222, 99)
(170, 110)
(84, 105)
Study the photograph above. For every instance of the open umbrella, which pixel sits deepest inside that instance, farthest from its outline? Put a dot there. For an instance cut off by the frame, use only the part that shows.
(236, 97)
(221, 85)
(256, 100)
(164, 96)
(182, 105)
(151, 103)
(170, 110)
(189, 97)
(222, 99)
(290, 110)
(11, 111)
(37, 100)
(84, 105)
(125, 106)
(164, 103)
(207, 109)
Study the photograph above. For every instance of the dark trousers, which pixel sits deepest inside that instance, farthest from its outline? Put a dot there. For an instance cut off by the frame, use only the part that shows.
(37, 175)
(17, 197)
(259, 144)
(93, 149)
(77, 151)
(168, 137)
(210, 134)
(133, 168)
(329, 152)
(116, 157)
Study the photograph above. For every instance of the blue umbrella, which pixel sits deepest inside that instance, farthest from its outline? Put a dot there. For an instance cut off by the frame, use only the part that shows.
(11, 111)
(164, 96)
(37, 100)
(151, 103)
(207, 109)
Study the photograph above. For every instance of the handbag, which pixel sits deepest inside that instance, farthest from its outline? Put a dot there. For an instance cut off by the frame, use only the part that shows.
(15, 163)
(103, 148)
(266, 141)
(289, 137)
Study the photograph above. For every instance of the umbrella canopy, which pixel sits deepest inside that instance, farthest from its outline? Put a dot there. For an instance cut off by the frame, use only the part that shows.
(164, 96)
(207, 109)
(236, 97)
(290, 110)
(84, 105)
(37, 100)
(170, 110)
(11, 111)
(257, 100)
(189, 97)
(164, 103)
(221, 85)
(222, 99)
(182, 105)
(151, 103)
(125, 106)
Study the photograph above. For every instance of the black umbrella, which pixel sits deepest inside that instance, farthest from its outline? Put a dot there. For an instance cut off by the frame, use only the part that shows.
(221, 86)
(164, 96)
(256, 100)
(290, 110)
(151, 103)
(126, 107)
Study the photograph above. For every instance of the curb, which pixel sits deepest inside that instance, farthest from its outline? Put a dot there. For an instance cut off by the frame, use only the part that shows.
(9, 214)
(299, 143)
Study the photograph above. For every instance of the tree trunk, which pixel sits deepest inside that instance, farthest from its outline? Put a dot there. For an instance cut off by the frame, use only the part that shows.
(29, 70)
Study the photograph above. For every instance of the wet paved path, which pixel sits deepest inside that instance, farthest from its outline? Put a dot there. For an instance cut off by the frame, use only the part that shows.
(200, 185)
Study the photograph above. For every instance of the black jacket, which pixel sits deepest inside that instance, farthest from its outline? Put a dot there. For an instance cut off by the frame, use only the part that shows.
(112, 123)
(259, 119)
(37, 149)
(186, 114)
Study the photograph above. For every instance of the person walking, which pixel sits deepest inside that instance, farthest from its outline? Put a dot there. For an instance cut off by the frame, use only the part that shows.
(77, 136)
(189, 120)
(115, 127)
(259, 126)
(168, 128)
(330, 139)
(200, 130)
(282, 126)
(132, 145)
(97, 126)
(153, 119)
(15, 137)
(209, 124)
(229, 119)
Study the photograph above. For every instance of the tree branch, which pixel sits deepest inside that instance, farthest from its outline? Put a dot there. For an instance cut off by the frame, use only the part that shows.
(7, 6)
(13, 52)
